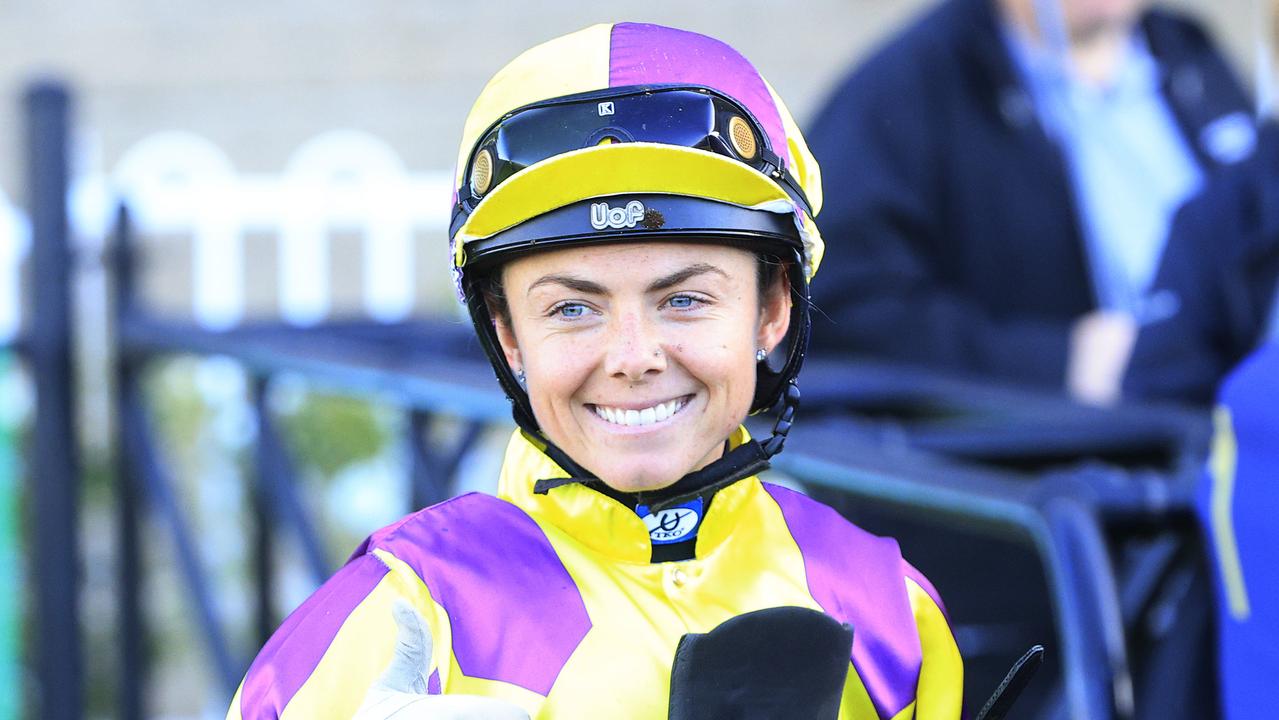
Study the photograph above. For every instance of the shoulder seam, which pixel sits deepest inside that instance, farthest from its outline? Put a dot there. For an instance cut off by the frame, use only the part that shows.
(395, 529)
(834, 516)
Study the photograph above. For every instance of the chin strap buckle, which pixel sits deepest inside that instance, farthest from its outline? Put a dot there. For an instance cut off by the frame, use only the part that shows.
(785, 419)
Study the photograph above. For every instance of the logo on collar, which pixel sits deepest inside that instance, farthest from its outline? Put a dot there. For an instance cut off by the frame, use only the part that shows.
(672, 524)
(603, 216)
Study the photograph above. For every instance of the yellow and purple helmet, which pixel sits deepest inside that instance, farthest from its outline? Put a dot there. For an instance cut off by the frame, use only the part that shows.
(634, 132)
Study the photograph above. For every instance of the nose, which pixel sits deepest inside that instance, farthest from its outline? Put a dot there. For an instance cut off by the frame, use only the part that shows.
(634, 348)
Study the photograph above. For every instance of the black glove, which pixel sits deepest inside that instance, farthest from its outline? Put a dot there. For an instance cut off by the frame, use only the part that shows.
(785, 662)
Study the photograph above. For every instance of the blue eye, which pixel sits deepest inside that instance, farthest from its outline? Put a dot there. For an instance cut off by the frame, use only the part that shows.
(571, 310)
(682, 302)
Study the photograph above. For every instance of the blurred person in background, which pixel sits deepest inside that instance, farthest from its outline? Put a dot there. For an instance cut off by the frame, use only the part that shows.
(1003, 174)
(1221, 274)
(1222, 268)
(633, 235)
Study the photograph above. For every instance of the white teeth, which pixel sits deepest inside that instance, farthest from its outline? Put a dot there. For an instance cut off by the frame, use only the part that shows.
(647, 416)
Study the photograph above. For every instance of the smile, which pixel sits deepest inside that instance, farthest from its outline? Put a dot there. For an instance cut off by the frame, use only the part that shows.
(637, 418)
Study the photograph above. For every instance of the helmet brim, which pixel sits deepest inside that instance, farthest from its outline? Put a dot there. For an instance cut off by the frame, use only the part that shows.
(641, 218)
(616, 169)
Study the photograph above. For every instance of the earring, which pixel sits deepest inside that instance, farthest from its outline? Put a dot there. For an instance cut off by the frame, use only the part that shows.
(519, 378)
(760, 355)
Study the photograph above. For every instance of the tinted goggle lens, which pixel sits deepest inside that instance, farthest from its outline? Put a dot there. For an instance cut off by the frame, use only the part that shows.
(685, 118)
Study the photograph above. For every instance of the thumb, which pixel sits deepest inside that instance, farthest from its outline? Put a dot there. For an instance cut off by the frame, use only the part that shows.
(411, 661)
(401, 691)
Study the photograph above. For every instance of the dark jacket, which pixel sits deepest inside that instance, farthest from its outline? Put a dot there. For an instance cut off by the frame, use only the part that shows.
(1222, 265)
(950, 225)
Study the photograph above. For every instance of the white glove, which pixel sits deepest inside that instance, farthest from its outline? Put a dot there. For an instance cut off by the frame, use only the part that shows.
(401, 691)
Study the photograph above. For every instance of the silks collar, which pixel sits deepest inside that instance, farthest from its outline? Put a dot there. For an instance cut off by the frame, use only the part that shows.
(602, 522)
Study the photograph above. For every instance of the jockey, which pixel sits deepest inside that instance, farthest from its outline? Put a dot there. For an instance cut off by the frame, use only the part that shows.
(633, 235)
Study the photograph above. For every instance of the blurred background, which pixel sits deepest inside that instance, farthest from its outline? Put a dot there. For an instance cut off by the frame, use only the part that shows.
(275, 365)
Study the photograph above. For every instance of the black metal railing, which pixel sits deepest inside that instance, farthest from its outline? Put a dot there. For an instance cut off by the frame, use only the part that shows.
(54, 462)
(417, 367)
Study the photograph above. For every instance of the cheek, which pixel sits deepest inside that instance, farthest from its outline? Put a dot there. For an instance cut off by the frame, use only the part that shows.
(731, 393)
(556, 368)
(724, 361)
(740, 365)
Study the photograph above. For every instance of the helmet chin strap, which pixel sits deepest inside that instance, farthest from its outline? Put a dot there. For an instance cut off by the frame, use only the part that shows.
(749, 458)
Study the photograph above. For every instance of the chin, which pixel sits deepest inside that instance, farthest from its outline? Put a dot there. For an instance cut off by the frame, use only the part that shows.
(640, 481)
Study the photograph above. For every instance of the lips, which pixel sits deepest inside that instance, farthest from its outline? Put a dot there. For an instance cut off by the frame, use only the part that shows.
(640, 417)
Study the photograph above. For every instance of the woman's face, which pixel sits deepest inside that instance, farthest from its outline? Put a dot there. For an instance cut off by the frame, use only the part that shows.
(640, 358)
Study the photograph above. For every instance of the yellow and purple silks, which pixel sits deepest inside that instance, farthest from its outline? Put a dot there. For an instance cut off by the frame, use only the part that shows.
(551, 602)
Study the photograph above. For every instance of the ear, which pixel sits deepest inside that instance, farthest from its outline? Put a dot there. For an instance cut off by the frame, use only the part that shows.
(774, 314)
(510, 346)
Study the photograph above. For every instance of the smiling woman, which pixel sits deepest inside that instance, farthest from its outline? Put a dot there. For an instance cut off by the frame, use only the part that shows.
(639, 358)
(633, 236)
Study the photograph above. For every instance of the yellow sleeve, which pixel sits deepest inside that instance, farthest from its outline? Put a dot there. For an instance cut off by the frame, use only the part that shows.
(940, 692)
(322, 660)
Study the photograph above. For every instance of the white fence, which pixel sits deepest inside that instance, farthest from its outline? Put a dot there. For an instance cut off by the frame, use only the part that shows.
(15, 242)
(180, 185)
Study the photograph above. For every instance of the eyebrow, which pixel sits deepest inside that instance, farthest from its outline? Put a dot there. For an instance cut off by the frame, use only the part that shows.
(680, 276)
(586, 286)
(570, 282)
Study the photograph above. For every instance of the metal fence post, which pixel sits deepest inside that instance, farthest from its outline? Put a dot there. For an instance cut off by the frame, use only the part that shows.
(265, 514)
(55, 466)
(130, 500)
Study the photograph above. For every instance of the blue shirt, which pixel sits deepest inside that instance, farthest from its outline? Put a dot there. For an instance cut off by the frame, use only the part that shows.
(1129, 164)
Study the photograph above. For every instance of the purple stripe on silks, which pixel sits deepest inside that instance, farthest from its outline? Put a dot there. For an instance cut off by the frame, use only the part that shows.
(911, 572)
(515, 612)
(857, 578)
(294, 651)
(642, 54)
(433, 683)
(378, 535)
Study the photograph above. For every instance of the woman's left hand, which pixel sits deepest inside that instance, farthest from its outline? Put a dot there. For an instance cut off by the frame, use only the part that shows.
(401, 691)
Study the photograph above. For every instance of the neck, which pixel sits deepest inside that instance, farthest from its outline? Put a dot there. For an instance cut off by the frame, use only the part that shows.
(1094, 50)
(1097, 57)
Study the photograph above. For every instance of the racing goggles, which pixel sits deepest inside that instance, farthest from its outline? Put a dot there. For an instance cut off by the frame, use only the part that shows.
(687, 116)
